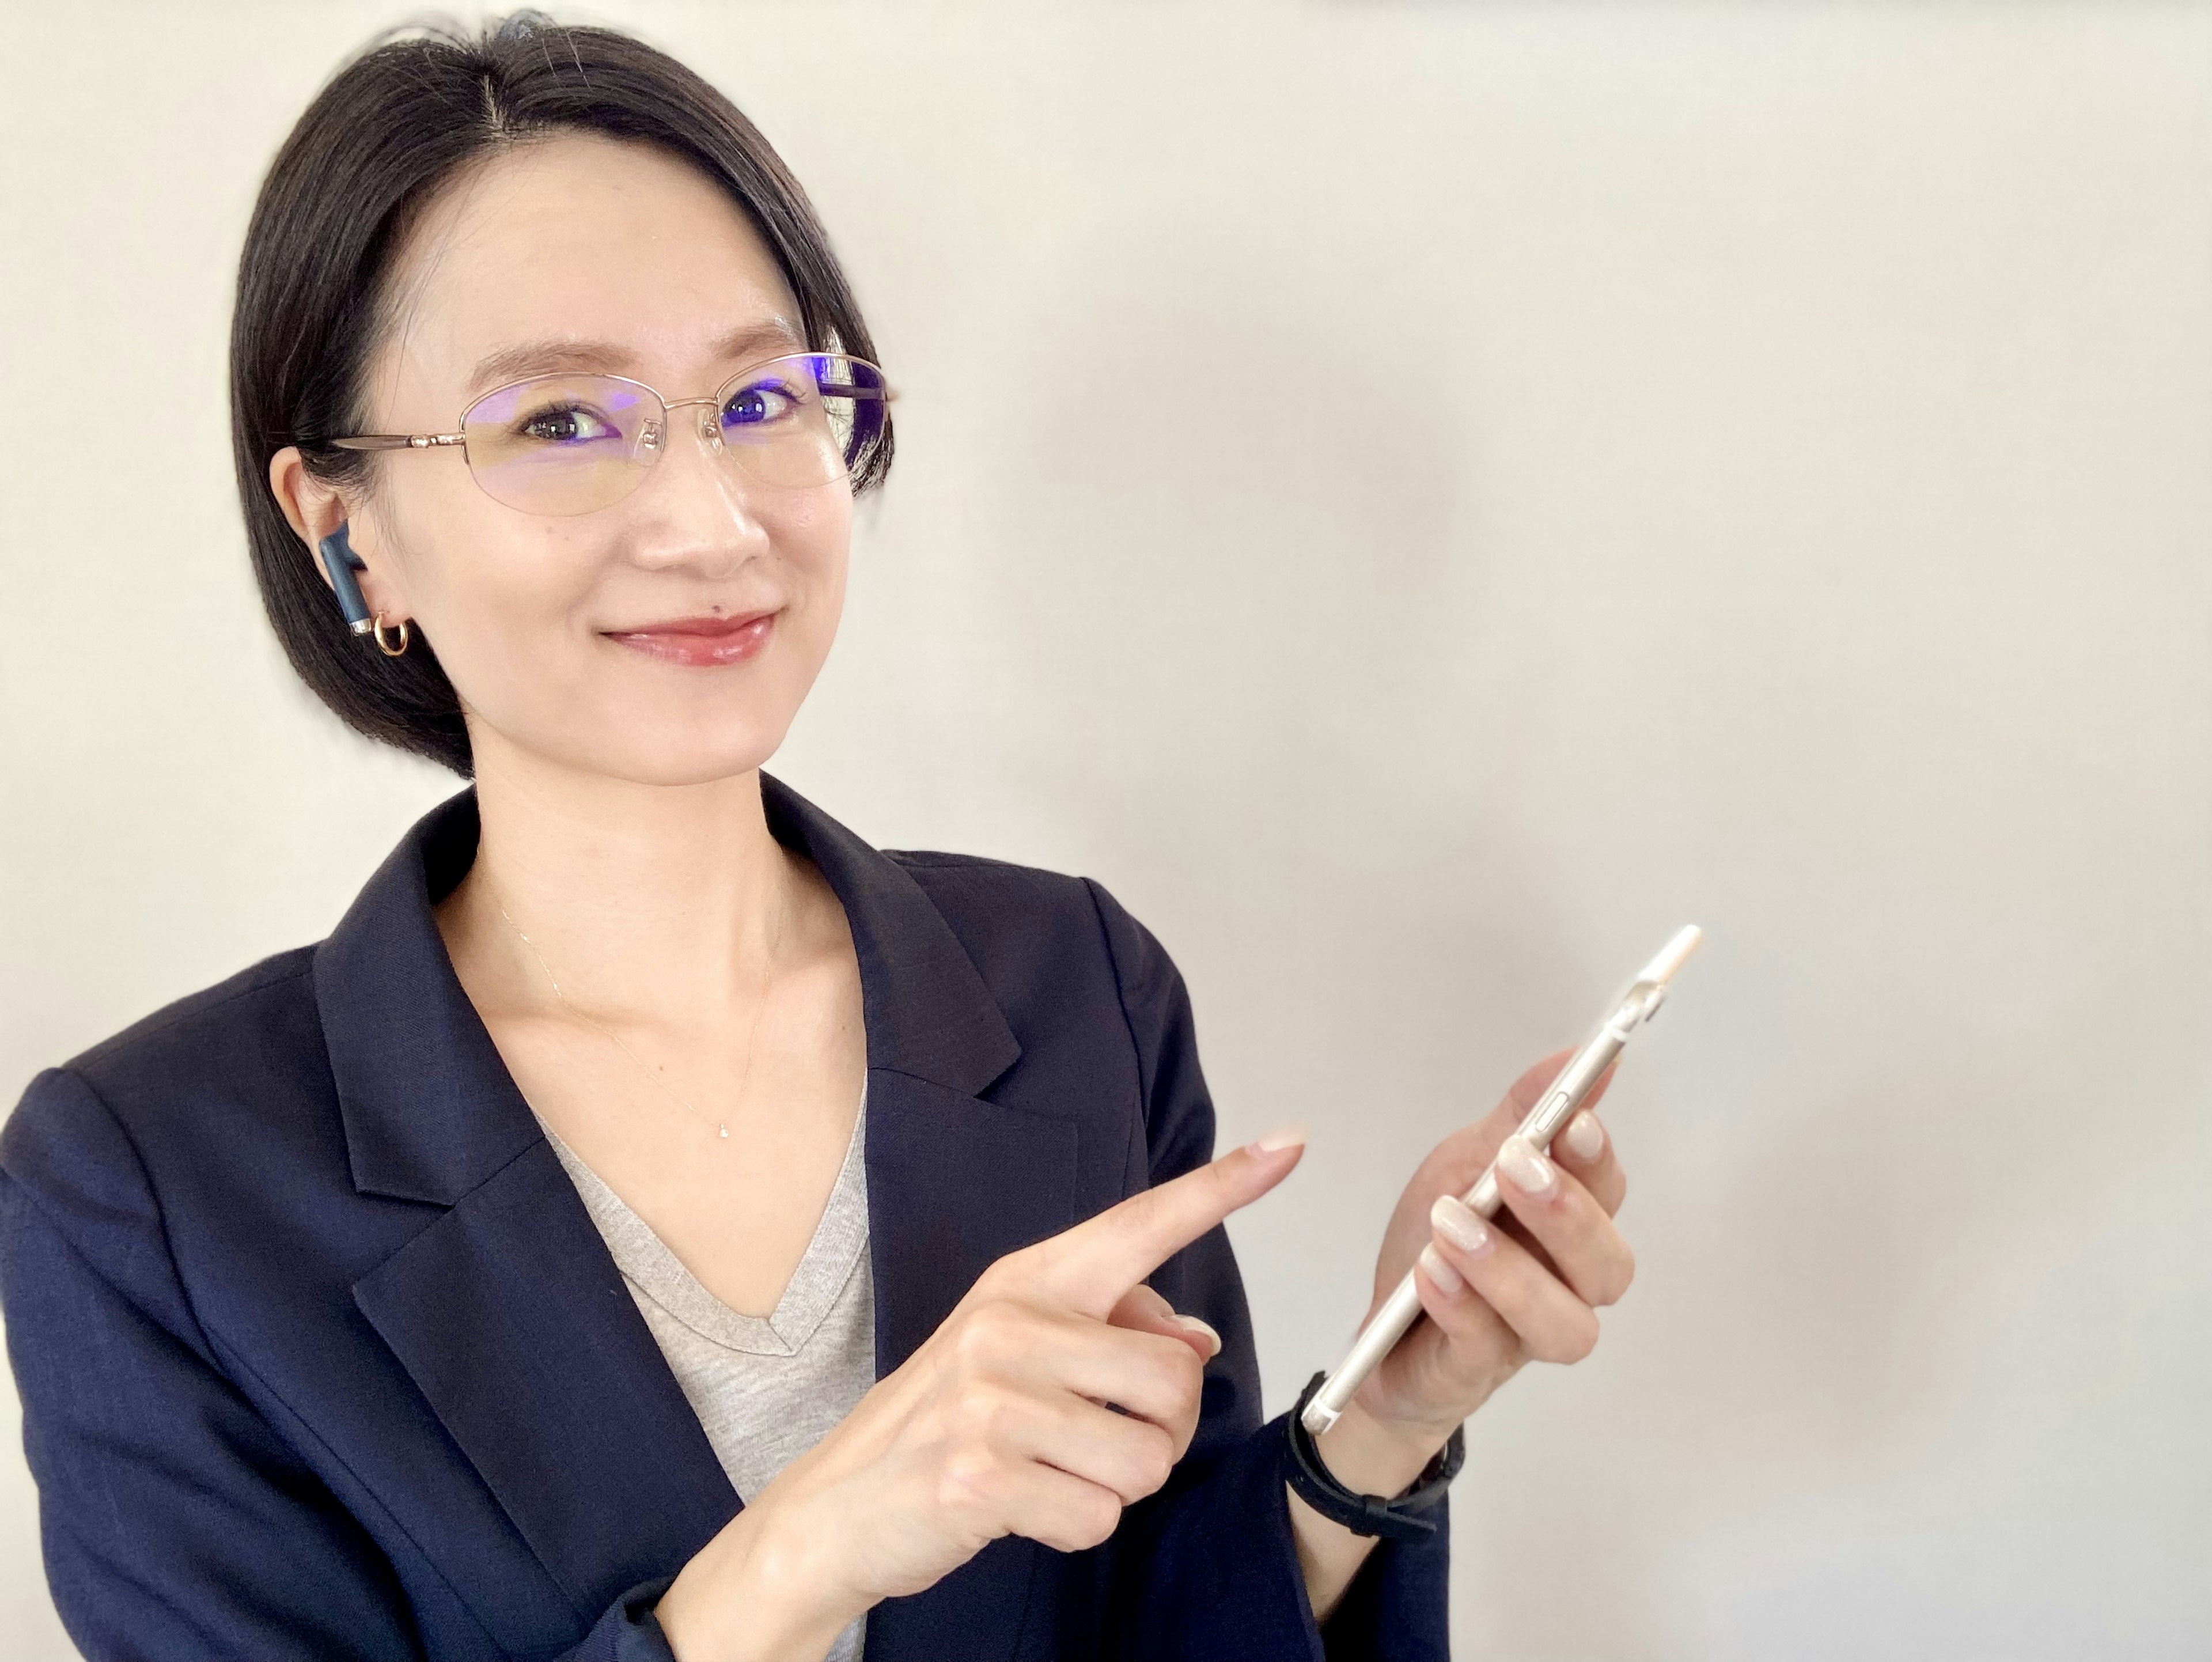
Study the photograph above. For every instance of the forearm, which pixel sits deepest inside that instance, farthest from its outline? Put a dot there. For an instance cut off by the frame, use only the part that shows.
(1369, 1459)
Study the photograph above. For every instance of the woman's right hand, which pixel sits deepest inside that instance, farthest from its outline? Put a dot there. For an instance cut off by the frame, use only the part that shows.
(995, 1426)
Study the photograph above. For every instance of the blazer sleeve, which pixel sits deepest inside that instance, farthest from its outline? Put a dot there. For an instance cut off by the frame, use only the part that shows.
(1208, 1567)
(176, 1520)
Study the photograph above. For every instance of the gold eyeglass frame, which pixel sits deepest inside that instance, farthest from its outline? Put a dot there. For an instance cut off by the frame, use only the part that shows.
(650, 435)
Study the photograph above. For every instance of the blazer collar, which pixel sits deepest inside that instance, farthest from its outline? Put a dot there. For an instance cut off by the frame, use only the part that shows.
(430, 1111)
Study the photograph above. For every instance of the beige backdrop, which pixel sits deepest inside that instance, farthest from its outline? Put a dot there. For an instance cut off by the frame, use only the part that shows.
(1419, 500)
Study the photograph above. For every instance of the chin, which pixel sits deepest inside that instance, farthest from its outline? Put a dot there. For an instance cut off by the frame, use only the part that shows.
(677, 755)
(653, 725)
(645, 745)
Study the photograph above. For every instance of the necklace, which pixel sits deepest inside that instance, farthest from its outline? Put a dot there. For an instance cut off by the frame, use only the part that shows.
(752, 1032)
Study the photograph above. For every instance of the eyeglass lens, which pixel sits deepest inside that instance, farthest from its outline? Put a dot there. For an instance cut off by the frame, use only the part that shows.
(566, 444)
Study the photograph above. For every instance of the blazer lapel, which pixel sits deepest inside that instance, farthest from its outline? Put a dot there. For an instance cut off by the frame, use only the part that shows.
(511, 1320)
(507, 1311)
(953, 1183)
(954, 1180)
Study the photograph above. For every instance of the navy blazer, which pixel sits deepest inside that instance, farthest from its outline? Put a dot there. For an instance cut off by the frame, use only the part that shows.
(320, 1354)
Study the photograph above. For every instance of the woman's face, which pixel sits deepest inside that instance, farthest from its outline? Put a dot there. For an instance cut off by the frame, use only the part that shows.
(667, 638)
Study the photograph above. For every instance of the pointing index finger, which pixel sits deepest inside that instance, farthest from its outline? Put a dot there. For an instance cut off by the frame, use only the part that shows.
(1090, 1267)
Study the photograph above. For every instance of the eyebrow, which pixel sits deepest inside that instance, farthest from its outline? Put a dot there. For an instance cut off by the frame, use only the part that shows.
(552, 353)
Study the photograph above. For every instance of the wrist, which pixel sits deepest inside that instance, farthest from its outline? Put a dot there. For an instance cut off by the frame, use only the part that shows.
(1373, 1455)
(755, 1593)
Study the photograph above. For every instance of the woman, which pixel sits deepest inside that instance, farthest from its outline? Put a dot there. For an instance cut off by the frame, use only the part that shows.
(655, 1222)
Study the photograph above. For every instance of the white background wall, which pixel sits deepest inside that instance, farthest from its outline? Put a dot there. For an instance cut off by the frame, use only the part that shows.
(1419, 499)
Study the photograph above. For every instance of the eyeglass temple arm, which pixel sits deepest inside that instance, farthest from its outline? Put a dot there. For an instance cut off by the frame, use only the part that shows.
(396, 440)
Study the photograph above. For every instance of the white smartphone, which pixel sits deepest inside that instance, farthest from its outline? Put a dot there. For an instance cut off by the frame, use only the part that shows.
(1566, 1094)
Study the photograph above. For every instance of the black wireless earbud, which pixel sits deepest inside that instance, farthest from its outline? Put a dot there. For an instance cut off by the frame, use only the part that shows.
(341, 561)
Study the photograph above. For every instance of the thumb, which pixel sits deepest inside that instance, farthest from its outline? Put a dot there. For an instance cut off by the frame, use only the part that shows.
(1143, 1311)
(1090, 1267)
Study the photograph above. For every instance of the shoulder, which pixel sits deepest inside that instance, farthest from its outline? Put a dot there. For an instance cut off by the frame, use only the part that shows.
(261, 1011)
(184, 1027)
(988, 880)
(206, 1056)
(1038, 923)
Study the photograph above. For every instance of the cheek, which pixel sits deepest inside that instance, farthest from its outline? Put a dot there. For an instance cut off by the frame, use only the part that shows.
(812, 537)
(494, 591)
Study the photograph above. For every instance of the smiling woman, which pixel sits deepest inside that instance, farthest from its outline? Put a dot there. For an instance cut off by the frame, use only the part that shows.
(655, 1222)
(582, 177)
(561, 239)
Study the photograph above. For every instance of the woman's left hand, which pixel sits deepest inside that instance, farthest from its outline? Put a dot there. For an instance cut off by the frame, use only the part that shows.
(1524, 1286)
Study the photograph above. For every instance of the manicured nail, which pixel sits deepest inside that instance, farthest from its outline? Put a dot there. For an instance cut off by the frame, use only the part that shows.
(1447, 1279)
(1527, 1170)
(1283, 1136)
(1457, 1222)
(1198, 1327)
(1585, 1137)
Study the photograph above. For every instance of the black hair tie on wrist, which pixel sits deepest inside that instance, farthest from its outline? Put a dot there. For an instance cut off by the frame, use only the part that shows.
(1394, 1519)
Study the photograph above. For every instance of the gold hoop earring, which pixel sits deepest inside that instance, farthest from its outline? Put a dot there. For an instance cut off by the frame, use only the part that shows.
(387, 650)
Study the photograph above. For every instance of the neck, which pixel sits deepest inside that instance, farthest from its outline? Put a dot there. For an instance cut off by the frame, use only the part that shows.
(653, 902)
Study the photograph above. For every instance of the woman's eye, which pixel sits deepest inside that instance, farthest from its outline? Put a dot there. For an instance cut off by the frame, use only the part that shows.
(568, 425)
(758, 405)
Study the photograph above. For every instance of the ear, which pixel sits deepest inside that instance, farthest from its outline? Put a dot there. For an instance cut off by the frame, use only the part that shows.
(314, 508)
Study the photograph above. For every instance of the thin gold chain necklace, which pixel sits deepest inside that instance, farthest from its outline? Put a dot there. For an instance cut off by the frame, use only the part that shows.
(752, 1032)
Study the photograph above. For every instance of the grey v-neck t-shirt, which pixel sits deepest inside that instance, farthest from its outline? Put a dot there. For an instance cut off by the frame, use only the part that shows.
(766, 1389)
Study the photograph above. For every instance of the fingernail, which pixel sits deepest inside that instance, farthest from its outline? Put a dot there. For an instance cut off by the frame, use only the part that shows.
(1457, 1222)
(1585, 1137)
(1198, 1327)
(1283, 1136)
(1527, 1170)
(1447, 1279)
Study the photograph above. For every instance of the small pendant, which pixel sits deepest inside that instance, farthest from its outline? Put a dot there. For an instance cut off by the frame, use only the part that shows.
(725, 1128)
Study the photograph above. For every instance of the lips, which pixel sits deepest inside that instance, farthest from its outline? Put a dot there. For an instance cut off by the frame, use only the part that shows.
(701, 643)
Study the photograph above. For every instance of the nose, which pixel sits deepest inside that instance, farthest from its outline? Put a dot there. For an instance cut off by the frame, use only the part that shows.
(653, 436)
(694, 508)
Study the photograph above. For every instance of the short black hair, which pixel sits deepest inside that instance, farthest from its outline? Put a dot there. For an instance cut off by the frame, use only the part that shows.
(366, 156)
